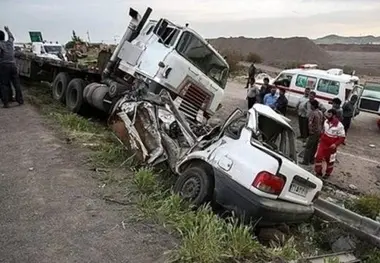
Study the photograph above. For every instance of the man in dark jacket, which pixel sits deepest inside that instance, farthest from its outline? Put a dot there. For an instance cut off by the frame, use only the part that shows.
(8, 70)
(282, 102)
(348, 112)
(251, 74)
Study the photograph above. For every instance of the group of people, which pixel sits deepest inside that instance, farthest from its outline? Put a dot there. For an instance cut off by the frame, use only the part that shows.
(323, 131)
(8, 71)
(267, 95)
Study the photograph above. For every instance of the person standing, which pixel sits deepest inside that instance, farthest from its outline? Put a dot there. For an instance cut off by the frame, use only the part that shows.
(301, 110)
(252, 94)
(348, 112)
(251, 74)
(315, 123)
(271, 98)
(8, 69)
(264, 90)
(282, 102)
(336, 102)
(332, 136)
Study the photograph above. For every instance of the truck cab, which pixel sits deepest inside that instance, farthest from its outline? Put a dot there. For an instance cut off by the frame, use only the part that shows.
(178, 59)
(49, 50)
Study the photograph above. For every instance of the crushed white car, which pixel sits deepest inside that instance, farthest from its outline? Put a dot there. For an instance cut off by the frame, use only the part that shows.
(247, 165)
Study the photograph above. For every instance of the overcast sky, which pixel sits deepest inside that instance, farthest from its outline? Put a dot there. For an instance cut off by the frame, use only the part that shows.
(212, 18)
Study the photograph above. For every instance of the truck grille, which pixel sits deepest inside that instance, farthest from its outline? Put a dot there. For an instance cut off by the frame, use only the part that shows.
(371, 105)
(193, 100)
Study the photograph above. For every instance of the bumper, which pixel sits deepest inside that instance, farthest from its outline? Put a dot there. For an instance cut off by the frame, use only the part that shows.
(243, 202)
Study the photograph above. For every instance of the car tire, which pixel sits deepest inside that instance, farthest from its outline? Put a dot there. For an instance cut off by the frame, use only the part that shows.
(195, 185)
(74, 95)
(59, 88)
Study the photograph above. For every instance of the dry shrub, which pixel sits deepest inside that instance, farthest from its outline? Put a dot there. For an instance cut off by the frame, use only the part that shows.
(254, 58)
(233, 58)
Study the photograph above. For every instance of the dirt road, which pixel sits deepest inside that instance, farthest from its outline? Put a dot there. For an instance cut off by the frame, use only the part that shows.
(50, 206)
(359, 160)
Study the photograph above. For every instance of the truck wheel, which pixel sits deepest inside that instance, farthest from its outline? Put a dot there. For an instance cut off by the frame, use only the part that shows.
(74, 95)
(195, 185)
(60, 86)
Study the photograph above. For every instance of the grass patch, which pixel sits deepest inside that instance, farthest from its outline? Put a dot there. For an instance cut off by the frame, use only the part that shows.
(206, 237)
(366, 205)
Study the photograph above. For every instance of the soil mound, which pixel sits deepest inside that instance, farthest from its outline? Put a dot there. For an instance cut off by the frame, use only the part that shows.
(275, 50)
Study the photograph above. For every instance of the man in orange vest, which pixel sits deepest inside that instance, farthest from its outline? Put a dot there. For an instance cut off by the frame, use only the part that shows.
(332, 136)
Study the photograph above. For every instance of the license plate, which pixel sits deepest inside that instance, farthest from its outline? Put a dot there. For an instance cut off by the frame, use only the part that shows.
(298, 189)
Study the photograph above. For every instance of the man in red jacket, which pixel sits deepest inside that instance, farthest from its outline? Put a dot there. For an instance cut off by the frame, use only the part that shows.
(332, 136)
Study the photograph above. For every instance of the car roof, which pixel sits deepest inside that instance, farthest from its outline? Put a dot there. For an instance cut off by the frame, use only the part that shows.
(270, 113)
(320, 73)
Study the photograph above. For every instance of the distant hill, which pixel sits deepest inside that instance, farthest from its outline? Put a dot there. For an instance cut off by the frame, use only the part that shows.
(335, 39)
(275, 50)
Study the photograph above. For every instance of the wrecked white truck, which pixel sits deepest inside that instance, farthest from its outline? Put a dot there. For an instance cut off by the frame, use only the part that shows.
(248, 165)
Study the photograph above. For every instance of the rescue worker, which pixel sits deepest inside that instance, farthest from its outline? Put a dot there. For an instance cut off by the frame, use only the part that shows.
(336, 102)
(332, 136)
(301, 110)
(282, 102)
(251, 74)
(8, 70)
(252, 94)
(271, 98)
(315, 123)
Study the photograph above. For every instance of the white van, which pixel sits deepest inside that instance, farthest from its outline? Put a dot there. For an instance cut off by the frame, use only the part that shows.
(327, 84)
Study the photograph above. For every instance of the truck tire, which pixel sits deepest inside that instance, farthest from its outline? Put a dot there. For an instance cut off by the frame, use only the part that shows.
(74, 95)
(60, 86)
(195, 185)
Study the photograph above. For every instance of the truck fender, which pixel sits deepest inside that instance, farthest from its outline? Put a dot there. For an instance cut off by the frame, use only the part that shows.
(59, 86)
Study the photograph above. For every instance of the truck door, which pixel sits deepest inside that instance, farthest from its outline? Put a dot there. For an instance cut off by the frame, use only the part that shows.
(157, 47)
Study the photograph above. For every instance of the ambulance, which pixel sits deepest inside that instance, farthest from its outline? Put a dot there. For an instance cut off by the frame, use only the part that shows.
(327, 84)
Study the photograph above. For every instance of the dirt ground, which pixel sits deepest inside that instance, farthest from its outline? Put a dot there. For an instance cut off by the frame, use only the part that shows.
(51, 208)
(359, 159)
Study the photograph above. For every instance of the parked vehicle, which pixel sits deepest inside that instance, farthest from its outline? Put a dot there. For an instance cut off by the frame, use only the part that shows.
(49, 50)
(368, 97)
(155, 55)
(327, 84)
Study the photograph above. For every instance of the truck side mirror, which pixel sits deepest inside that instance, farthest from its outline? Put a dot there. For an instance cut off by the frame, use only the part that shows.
(160, 27)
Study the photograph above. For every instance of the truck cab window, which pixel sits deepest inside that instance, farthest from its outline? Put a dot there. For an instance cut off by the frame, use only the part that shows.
(204, 58)
(169, 36)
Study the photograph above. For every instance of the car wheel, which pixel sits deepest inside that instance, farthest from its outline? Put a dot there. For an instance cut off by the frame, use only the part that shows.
(74, 95)
(195, 185)
(60, 86)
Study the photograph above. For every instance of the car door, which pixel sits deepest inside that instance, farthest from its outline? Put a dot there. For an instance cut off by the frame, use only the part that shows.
(356, 91)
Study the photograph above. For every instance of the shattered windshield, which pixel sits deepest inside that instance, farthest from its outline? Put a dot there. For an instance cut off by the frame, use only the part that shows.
(371, 90)
(277, 137)
(204, 58)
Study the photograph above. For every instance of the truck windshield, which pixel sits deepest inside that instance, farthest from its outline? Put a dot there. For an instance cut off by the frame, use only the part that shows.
(277, 137)
(205, 59)
(371, 90)
(53, 49)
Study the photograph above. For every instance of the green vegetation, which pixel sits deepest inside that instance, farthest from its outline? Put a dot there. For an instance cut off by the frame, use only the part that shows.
(367, 205)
